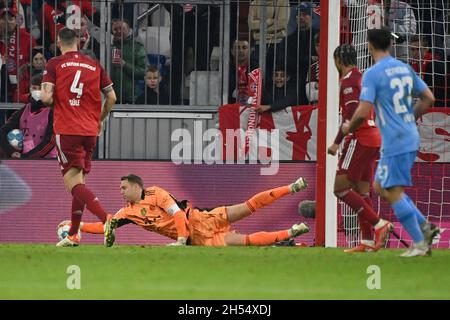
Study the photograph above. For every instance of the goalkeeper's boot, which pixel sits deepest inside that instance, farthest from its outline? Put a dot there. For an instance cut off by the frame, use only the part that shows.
(430, 231)
(69, 241)
(109, 229)
(382, 234)
(299, 185)
(362, 247)
(420, 249)
(298, 229)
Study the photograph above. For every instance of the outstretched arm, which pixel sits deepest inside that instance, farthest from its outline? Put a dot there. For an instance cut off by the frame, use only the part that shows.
(165, 201)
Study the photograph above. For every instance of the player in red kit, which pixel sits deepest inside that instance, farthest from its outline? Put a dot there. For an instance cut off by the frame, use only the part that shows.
(72, 83)
(360, 152)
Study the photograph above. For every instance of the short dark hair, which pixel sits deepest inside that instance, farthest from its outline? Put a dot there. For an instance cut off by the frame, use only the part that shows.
(67, 36)
(380, 38)
(152, 68)
(121, 20)
(132, 178)
(346, 53)
(36, 80)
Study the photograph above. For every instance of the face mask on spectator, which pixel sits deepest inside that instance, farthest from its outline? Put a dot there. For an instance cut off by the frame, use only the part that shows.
(36, 94)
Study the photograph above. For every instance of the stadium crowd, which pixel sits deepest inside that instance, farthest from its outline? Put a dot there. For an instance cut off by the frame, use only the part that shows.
(163, 76)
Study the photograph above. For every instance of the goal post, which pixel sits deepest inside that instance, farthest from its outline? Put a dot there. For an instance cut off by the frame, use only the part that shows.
(328, 115)
(418, 26)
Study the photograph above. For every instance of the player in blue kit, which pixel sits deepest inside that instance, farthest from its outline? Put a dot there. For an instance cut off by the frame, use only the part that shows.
(389, 86)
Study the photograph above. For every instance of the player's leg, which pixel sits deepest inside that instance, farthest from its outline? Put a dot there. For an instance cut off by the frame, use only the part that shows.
(263, 199)
(355, 161)
(74, 155)
(79, 189)
(393, 174)
(367, 236)
(264, 238)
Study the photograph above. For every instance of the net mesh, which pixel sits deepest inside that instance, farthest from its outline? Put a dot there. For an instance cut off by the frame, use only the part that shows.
(423, 25)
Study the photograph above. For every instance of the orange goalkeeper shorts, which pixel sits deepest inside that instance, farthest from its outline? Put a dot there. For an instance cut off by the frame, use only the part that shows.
(208, 228)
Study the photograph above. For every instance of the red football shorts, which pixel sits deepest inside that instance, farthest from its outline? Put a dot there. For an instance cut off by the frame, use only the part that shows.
(357, 161)
(75, 152)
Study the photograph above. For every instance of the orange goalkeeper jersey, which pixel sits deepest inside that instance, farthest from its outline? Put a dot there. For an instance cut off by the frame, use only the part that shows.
(154, 213)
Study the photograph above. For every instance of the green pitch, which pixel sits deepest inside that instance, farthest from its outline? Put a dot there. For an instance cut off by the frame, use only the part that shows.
(138, 272)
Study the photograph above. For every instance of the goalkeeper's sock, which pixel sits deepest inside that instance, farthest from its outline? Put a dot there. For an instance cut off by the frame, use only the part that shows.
(77, 213)
(96, 227)
(266, 238)
(265, 198)
(358, 205)
(420, 218)
(407, 217)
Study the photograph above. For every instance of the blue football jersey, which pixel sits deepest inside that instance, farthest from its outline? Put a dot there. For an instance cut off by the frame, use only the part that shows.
(390, 86)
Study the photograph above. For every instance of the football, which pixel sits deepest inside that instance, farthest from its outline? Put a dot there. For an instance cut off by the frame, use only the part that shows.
(307, 208)
(63, 230)
(15, 139)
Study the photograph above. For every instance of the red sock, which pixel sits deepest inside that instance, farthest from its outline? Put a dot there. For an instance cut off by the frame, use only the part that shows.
(266, 238)
(359, 205)
(86, 197)
(77, 213)
(265, 198)
(366, 228)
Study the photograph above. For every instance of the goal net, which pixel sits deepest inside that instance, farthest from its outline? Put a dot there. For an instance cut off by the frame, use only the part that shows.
(422, 31)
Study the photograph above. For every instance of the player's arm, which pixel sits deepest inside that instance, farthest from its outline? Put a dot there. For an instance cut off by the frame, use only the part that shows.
(48, 83)
(424, 103)
(366, 101)
(165, 201)
(360, 115)
(110, 99)
(350, 105)
(426, 96)
(47, 90)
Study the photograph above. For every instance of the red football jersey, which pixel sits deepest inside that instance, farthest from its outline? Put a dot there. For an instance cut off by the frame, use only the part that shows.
(78, 81)
(367, 134)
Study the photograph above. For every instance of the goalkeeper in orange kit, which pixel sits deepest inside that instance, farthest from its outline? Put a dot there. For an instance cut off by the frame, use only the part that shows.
(156, 210)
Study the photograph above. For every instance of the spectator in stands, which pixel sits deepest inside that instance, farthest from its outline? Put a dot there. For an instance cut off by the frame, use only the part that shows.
(300, 48)
(15, 49)
(431, 69)
(276, 24)
(292, 21)
(279, 93)
(312, 80)
(401, 21)
(276, 21)
(192, 34)
(155, 88)
(54, 17)
(123, 9)
(27, 71)
(128, 62)
(87, 42)
(35, 120)
(431, 14)
(240, 66)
